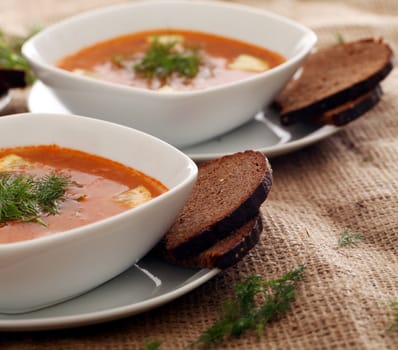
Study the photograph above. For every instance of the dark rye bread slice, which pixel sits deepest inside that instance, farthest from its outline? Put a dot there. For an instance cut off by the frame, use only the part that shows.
(11, 78)
(3, 88)
(350, 110)
(228, 251)
(332, 76)
(228, 193)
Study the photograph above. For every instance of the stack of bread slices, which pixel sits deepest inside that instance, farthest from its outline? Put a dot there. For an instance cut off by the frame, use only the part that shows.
(336, 84)
(221, 219)
(11, 78)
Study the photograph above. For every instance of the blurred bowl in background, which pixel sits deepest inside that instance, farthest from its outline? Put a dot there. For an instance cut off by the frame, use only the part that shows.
(181, 118)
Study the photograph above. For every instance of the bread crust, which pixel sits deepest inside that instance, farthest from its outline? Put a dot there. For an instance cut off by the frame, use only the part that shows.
(229, 251)
(235, 254)
(12, 78)
(331, 78)
(351, 110)
(177, 245)
(3, 88)
(221, 229)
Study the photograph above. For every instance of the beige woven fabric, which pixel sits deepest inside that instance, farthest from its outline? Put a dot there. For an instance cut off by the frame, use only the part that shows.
(349, 180)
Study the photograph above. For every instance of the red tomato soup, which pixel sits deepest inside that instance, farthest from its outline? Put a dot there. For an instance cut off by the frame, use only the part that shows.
(94, 188)
(171, 60)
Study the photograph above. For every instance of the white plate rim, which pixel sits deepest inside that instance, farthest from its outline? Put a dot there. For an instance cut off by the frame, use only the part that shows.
(106, 315)
(280, 149)
(113, 313)
(270, 151)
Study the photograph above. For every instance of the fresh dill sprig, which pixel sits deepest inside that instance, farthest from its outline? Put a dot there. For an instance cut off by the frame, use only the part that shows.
(161, 61)
(244, 312)
(394, 325)
(49, 189)
(340, 38)
(367, 158)
(348, 238)
(10, 56)
(26, 198)
(152, 345)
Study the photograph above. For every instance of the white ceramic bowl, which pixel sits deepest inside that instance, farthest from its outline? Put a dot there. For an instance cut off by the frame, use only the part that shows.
(181, 118)
(53, 268)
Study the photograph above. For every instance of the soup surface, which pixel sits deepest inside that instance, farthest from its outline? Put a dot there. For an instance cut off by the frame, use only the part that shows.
(171, 60)
(94, 188)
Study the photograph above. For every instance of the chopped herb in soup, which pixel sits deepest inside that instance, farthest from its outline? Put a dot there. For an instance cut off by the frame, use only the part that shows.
(171, 60)
(47, 189)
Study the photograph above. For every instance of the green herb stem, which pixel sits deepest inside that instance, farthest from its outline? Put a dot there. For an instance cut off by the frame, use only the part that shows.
(245, 313)
(26, 198)
(394, 325)
(152, 345)
(347, 238)
(340, 38)
(161, 61)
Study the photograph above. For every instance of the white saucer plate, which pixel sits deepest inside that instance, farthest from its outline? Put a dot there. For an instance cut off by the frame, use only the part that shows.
(264, 133)
(144, 286)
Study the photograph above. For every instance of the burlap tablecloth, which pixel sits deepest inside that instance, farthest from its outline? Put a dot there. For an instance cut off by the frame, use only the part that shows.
(349, 180)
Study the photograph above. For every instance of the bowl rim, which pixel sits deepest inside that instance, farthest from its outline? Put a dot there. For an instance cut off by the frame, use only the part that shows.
(67, 235)
(29, 46)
